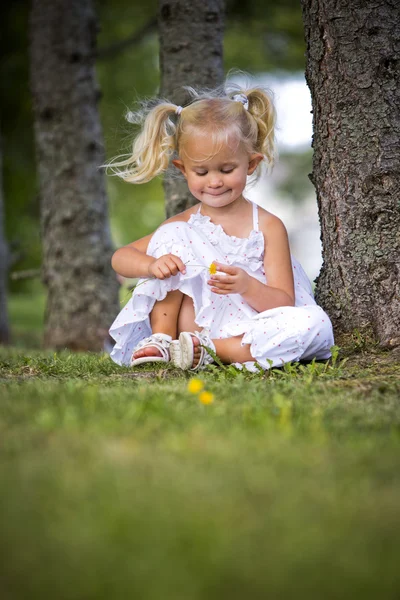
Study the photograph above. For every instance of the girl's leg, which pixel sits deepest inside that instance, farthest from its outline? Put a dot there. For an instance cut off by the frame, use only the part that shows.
(163, 319)
(186, 316)
(186, 322)
(228, 350)
(287, 334)
(171, 316)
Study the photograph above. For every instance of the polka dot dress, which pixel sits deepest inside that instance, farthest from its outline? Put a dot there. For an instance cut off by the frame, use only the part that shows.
(275, 336)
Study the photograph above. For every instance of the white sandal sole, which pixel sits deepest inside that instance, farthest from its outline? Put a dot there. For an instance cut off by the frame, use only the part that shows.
(160, 342)
(182, 352)
(147, 359)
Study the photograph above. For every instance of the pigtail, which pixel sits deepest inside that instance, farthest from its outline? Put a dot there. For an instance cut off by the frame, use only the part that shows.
(152, 148)
(247, 111)
(261, 116)
(262, 109)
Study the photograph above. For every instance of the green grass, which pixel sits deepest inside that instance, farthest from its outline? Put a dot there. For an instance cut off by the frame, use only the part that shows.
(26, 315)
(117, 484)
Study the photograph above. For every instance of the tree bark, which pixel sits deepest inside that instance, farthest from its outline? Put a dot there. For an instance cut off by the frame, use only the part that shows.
(353, 60)
(191, 54)
(82, 288)
(4, 263)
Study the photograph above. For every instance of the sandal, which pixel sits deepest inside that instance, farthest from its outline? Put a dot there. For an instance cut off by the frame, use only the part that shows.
(182, 351)
(161, 341)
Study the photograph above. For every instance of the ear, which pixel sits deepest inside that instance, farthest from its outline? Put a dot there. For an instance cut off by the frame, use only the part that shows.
(178, 163)
(254, 161)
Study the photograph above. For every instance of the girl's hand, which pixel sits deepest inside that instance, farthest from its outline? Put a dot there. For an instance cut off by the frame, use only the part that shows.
(236, 280)
(166, 266)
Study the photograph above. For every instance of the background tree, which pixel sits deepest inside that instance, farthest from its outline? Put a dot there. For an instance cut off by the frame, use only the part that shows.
(4, 326)
(81, 286)
(259, 37)
(353, 58)
(191, 42)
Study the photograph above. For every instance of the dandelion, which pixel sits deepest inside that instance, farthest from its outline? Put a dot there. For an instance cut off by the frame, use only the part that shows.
(195, 386)
(212, 269)
(206, 398)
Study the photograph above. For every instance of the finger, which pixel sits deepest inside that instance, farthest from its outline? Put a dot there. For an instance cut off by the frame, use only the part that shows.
(221, 292)
(165, 270)
(158, 273)
(220, 286)
(162, 272)
(227, 269)
(172, 267)
(222, 279)
(221, 282)
(179, 263)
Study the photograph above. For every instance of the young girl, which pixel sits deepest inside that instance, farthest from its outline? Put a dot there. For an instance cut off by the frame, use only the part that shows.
(219, 275)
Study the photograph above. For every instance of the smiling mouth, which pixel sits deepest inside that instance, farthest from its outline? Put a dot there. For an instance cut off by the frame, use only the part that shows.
(216, 195)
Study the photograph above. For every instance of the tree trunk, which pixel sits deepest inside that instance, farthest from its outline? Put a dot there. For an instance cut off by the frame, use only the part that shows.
(82, 288)
(353, 71)
(4, 262)
(191, 36)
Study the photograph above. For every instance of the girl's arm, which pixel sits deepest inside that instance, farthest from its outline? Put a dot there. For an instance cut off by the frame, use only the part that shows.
(132, 260)
(279, 291)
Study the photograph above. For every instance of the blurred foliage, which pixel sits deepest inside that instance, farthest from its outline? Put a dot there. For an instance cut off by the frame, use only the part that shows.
(259, 37)
(125, 77)
(264, 36)
(26, 313)
(296, 183)
(19, 178)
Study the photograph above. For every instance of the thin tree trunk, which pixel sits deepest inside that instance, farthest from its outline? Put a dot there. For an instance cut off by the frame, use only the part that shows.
(353, 60)
(191, 37)
(82, 288)
(4, 262)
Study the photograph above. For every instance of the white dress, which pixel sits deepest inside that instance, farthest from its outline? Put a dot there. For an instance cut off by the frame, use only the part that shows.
(276, 336)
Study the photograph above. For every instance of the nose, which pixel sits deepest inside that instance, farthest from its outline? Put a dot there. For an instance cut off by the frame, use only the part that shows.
(215, 181)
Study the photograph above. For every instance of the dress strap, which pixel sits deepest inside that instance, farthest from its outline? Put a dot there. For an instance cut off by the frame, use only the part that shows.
(255, 217)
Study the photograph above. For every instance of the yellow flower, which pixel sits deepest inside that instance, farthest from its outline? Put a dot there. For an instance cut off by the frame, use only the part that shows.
(212, 268)
(195, 386)
(206, 397)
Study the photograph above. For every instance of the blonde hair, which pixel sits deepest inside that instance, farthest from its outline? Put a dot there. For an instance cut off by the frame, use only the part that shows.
(165, 127)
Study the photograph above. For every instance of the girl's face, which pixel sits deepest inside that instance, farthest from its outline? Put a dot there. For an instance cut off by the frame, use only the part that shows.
(216, 174)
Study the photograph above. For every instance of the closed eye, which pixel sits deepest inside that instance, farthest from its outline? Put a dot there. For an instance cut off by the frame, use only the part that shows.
(227, 171)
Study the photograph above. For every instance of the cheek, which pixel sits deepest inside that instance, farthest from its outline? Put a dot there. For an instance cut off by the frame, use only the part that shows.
(237, 179)
(195, 184)
(192, 181)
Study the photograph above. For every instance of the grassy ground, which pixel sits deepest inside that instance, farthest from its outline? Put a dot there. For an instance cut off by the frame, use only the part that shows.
(117, 484)
(26, 314)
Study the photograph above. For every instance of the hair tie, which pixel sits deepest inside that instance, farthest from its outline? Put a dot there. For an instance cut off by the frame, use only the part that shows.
(178, 110)
(242, 98)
